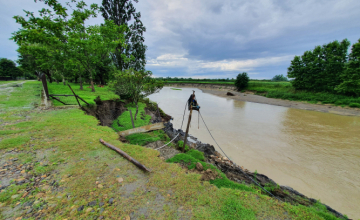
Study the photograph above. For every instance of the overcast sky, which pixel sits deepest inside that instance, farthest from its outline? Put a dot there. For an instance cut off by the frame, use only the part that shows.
(221, 38)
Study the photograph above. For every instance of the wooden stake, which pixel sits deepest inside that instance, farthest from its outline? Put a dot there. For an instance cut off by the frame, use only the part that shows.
(74, 95)
(132, 120)
(187, 129)
(132, 160)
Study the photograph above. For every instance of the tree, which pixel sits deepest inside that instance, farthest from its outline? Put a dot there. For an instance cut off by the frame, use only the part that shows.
(94, 44)
(133, 54)
(9, 68)
(241, 81)
(279, 78)
(351, 76)
(320, 69)
(135, 84)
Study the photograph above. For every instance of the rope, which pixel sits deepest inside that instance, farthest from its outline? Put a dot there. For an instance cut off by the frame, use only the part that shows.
(236, 164)
(184, 115)
(168, 143)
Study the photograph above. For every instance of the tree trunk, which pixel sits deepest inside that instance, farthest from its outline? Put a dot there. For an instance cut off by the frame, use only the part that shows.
(81, 85)
(137, 110)
(92, 84)
(63, 79)
(49, 75)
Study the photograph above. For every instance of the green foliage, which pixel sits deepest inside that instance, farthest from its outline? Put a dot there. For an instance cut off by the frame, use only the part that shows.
(175, 89)
(181, 145)
(135, 84)
(8, 68)
(351, 76)
(123, 122)
(320, 70)
(133, 54)
(279, 78)
(60, 45)
(242, 81)
(354, 105)
(196, 154)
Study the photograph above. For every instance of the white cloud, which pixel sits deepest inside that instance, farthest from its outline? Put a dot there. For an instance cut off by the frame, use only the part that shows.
(194, 66)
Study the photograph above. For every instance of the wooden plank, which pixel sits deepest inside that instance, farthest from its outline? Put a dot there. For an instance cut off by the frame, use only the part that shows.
(146, 128)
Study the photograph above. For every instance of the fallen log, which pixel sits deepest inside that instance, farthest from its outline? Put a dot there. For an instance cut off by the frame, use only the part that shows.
(142, 129)
(132, 160)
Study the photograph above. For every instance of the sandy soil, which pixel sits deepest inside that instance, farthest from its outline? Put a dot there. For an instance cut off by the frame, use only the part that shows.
(250, 97)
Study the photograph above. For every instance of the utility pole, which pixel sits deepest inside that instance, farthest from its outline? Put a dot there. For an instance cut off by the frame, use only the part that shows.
(187, 127)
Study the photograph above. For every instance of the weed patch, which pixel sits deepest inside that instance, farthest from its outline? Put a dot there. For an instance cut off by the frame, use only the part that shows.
(123, 122)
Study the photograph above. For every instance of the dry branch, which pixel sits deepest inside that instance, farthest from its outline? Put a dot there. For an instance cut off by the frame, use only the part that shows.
(132, 160)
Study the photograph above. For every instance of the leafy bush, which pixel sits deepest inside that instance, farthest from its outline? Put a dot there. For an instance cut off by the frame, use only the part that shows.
(354, 105)
(181, 145)
(279, 78)
(242, 81)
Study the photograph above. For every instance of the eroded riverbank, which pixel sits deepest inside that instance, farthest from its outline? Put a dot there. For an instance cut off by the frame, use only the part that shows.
(315, 153)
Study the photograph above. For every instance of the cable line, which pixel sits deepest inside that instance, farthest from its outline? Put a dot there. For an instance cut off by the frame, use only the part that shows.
(235, 163)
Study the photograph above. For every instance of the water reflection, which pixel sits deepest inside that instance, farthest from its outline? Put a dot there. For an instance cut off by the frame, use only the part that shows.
(315, 153)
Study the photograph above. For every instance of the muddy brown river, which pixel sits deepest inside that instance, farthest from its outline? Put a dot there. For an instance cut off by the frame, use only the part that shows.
(317, 154)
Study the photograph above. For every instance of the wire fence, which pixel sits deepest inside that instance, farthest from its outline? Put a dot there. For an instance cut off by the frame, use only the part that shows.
(62, 98)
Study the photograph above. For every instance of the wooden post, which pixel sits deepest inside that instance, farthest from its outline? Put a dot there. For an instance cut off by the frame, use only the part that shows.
(187, 130)
(132, 120)
(43, 78)
(75, 95)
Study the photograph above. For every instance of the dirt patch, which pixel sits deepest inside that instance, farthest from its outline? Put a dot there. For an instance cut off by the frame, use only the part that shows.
(165, 152)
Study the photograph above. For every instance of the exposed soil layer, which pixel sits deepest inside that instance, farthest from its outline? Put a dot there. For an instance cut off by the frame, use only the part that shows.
(222, 90)
(238, 174)
(106, 111)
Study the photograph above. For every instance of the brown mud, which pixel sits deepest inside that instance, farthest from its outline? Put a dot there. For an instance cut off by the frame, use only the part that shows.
(222, 90)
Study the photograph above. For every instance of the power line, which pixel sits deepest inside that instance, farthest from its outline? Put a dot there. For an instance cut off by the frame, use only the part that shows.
(235, 163)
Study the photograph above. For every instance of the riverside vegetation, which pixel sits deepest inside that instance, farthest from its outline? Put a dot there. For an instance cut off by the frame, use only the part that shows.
(67, 173)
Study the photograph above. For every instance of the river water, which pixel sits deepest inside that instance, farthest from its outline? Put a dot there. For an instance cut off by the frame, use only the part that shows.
(317, 154)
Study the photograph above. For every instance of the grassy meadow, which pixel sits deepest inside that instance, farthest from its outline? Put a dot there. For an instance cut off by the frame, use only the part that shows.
(71, 175)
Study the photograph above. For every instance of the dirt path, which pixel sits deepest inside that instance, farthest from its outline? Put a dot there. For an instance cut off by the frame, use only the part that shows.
(221, 91)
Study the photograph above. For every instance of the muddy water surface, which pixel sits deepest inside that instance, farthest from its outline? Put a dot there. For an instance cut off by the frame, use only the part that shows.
(317, 154)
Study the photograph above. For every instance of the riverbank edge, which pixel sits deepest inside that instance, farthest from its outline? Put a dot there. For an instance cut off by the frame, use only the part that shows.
(228, 167)
(248, 96)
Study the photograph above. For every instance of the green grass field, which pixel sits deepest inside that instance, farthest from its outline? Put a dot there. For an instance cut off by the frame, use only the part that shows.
(67, 140)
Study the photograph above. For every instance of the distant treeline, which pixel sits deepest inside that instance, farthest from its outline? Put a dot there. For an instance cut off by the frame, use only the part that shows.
(328, 68)
(9, 71)
(176, 79)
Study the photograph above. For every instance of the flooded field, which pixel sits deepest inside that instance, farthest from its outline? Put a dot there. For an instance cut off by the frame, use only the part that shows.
(317, 154)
